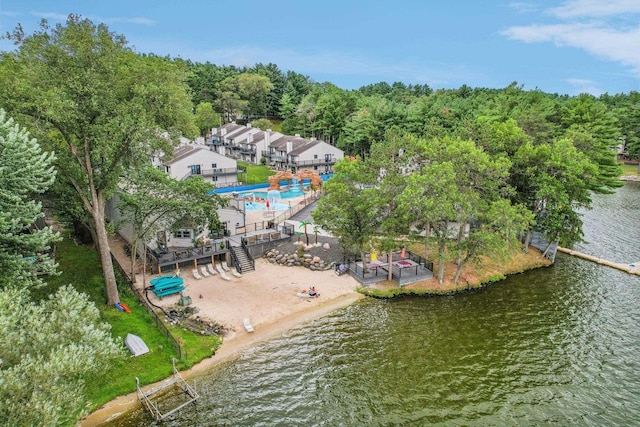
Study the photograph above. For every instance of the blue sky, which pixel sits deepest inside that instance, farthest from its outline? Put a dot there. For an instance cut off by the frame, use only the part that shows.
(565, 47)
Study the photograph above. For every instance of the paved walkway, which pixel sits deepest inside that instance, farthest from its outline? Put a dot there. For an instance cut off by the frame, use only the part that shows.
(305, 215)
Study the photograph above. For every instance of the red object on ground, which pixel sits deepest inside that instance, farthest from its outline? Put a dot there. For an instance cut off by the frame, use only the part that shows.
(125, 308)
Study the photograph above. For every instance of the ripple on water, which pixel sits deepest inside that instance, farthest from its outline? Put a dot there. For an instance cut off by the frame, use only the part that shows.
(554, 346)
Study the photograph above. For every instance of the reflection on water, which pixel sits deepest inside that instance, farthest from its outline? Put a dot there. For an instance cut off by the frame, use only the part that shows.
(611, 227)
(553, 346)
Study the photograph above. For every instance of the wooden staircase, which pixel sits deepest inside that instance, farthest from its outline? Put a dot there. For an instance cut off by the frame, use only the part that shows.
(241, 258)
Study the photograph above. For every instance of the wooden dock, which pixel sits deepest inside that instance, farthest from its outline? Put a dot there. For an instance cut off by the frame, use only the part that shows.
(145, 397)
(627, 268)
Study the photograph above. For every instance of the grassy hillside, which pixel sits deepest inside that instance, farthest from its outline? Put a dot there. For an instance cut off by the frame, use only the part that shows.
(80, 267)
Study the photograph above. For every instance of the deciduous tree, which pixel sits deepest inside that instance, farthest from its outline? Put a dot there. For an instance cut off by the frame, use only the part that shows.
(348, 209)
(429, 202)
(151, 200)
(206, 118)
(103, 107)
(553, 182)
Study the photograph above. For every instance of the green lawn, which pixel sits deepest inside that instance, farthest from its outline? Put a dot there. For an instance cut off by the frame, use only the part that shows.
(80, 267)
(256, 174)
(629, 169)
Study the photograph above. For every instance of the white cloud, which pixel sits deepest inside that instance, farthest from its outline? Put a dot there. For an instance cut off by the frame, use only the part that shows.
(603, 42)
(53, 16)
(594, 8)
(9, 14)
(585, 86)
(524, 7)
(600, 38)
(136, 20)
(329, 63)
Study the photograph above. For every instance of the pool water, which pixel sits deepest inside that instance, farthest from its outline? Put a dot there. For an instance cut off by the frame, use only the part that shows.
(263, 194)
(260, 206)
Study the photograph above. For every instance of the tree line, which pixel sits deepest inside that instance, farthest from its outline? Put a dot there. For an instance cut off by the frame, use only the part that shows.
(492, 162)
(354, 119)
(464, 199)
(104, 109)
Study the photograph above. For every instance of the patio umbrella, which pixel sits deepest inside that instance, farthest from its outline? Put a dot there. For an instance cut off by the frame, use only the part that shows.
(404, 253)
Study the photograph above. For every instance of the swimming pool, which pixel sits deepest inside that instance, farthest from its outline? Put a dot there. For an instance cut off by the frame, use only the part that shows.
(260, 206)
(263, 194)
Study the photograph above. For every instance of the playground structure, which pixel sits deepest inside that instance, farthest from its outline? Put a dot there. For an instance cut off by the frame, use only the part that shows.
(295, 179)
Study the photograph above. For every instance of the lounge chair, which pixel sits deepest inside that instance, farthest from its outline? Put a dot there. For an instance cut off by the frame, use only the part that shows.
(212, 270)
(196, 274)
(225, 267)
(247, 325)
(222, 273)
(204, 271)
(235, 272)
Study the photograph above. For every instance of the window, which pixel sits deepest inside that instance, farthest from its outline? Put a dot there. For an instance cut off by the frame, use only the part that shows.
(195, 170)
(183, 234)
(214, 165)
(214, 178)
(315, 156)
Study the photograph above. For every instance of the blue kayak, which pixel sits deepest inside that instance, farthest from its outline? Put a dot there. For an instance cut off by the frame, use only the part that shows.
(166, 282)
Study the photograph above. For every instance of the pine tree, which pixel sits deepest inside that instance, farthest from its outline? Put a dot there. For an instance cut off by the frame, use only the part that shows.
(51, 345)
(25, 171)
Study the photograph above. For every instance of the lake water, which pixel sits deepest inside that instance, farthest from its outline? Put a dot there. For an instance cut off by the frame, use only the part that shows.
(555, 346)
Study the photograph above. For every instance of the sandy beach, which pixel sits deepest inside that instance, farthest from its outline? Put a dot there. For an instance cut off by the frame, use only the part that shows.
(268, 297)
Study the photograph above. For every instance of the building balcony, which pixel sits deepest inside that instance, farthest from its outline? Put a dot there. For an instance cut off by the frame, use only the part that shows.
(216, 172)
(221, 171)
(314, 162)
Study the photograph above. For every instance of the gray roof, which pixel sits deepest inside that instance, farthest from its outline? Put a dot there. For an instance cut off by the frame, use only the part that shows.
(281, 143)
(302, 148)
(258, 136)
(230, 127)
(299, 144)
(183, 152)
(238, 133)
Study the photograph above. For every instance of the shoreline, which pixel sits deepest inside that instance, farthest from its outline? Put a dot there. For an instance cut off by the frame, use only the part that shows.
(287, 310)
(228, 351)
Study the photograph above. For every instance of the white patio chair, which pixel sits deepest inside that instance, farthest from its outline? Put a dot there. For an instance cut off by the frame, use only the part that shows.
(196, 274)
(204, 271)
(212, 270)
(225, 267)
(222, 273)
(247, 325)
